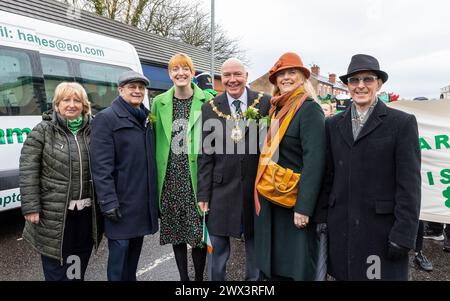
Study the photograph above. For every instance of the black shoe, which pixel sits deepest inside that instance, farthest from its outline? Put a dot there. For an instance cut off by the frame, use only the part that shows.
(422, 261)
(431, 234)
(446, 247)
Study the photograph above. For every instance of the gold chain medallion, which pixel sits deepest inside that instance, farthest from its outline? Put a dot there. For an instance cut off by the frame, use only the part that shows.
(236, 132)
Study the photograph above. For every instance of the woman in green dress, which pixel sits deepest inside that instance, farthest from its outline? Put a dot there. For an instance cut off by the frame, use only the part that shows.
(177, 115)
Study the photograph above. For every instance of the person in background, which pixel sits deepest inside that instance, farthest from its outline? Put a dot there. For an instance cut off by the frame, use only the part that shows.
(204, 82)
(438, 231)
(333, 103)
(419, 258)
(343, 102)
(124, 174)
(181, 219)
(61, 215)
(327, 108)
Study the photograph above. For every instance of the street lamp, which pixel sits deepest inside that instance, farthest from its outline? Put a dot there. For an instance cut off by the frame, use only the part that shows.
(212, 42)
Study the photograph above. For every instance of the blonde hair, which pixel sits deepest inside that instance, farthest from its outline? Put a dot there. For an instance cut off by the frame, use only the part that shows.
(306, 84)
(181, 59)
(66, 89)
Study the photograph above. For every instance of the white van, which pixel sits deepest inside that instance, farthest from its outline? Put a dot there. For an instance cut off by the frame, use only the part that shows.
(35, 56)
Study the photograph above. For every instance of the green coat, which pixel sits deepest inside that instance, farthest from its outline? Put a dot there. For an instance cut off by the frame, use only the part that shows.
(162, 108)
(281, 248)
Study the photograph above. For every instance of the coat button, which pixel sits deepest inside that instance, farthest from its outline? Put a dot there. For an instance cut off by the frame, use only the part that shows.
(356, 222)
(341, 163)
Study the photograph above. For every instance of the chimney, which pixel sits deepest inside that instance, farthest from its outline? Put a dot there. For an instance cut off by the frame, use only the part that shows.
(315, 70)
(332, 78)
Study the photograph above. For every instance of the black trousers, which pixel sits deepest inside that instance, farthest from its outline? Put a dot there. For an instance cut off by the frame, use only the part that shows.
(438, 228)
(76, 248)
(419, 239)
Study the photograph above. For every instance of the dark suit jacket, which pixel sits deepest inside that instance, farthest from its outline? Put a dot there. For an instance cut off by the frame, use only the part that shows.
(373, 192)
(124, 172)
(226, 178)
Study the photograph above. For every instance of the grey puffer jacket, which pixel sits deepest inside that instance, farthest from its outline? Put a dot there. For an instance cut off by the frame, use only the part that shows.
(50, 176)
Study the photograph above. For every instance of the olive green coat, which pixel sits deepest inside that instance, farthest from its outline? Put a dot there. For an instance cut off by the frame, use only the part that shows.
(281, 248)
(50, 178)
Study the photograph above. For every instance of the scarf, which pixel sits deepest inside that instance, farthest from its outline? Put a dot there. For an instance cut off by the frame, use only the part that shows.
(75, 125)
(280, 107)
(138, 113)
(359, 120)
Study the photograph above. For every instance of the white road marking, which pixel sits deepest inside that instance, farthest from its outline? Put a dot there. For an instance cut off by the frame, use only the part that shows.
(156, 263)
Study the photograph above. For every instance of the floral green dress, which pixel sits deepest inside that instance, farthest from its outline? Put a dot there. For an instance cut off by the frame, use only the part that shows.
(180, 220)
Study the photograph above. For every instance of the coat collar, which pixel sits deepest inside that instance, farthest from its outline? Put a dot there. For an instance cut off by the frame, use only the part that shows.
(167, 109)
(122, 112)
(375, 119)
(166, 113)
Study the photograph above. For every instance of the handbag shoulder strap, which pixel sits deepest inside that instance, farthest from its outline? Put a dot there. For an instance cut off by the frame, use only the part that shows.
(267, 154)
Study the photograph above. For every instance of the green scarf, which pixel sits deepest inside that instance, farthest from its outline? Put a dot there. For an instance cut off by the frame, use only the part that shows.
(75, 124)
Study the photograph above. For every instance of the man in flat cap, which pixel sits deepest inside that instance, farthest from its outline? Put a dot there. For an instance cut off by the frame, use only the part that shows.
(124, 173)
(373, 185)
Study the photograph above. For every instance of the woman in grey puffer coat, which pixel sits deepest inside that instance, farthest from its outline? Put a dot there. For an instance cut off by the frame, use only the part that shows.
(62, 221)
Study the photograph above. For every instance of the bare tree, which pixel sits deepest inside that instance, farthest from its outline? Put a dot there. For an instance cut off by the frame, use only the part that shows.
(197, 31)
(175, 19)
(136, 17)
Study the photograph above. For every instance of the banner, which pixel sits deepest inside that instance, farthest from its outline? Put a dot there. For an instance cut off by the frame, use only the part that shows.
(433, 118)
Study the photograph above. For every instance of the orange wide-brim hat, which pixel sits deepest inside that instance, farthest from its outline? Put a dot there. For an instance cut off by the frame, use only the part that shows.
(287, 61)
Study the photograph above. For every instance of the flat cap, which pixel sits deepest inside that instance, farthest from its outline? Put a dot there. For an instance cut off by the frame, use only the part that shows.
(132, 76)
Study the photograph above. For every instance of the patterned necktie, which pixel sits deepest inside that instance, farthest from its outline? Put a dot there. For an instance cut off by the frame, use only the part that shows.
(237, 104)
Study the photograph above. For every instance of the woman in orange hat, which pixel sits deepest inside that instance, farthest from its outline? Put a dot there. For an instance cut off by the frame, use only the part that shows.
(285, 240)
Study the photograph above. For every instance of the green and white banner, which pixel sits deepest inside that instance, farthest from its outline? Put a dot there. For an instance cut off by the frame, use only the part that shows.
(433, 118)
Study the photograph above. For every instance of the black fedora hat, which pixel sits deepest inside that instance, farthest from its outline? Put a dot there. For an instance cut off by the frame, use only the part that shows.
(364, 62)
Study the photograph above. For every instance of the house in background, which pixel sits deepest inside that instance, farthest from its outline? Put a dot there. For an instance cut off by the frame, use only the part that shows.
(445, 92)
(326, 85)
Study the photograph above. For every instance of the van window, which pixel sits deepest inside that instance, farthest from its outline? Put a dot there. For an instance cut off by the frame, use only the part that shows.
(55, 70)
(100, 82)
(17, 85)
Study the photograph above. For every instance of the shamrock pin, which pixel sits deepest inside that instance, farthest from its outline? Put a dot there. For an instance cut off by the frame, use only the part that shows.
(151, 119)
(446, 194)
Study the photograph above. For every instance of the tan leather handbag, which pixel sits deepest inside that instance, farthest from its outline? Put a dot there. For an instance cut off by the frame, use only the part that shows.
(279, 185)
(275, 183)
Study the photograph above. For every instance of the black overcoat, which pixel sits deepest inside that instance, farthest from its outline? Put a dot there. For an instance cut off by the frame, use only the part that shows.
(226, 178)
(124, 171)
(373, 193)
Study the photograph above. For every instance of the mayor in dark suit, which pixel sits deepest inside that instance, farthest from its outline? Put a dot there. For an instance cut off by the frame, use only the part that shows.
(373, 186)
(227, 167)
(124, 173)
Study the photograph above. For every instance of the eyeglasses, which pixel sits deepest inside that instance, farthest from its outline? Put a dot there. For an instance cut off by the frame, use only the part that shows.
(367, 80)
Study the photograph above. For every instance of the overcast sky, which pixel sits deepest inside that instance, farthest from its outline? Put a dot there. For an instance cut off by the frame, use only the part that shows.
(410, 38)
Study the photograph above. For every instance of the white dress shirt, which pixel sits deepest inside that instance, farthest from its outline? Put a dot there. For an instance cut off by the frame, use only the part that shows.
(242, 99)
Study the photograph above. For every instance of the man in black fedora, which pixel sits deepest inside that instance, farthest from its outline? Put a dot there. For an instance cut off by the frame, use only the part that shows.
(373, 184)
